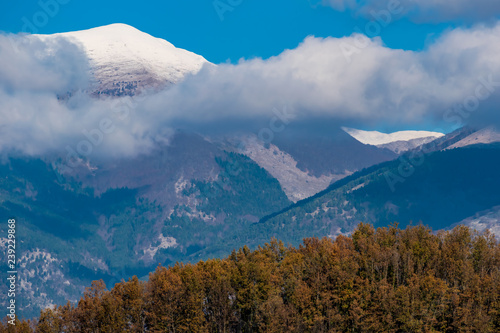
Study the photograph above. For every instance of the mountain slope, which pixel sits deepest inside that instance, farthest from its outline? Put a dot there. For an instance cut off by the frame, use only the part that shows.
(298, 184)
(448, 187)
(328, 150)
(485, 135)
(446, 140)
(306, 158)
(124, 218)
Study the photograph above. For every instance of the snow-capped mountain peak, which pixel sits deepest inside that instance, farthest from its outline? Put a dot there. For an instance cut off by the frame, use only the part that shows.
(398, 142)
(378, 138)
(125, 60)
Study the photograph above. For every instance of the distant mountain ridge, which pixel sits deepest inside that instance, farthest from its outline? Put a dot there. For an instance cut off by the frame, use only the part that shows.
(305, 162)
(450, 187)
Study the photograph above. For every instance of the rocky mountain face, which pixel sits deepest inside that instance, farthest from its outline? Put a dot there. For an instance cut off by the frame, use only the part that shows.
(298, 184)
(306, 162)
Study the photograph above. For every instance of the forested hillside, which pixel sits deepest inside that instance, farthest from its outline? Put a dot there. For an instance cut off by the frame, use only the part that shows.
(376, 280)
(72, 234)
(441, 189)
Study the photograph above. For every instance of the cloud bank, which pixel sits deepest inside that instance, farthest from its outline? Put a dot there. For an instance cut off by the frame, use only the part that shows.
(455, 81)
(425, 10)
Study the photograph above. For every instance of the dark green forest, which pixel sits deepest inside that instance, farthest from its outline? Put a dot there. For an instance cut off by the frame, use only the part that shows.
(375, 280)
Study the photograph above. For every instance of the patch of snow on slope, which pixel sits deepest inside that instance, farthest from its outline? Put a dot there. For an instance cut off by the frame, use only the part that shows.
(488, 219)
(165, 243)
(38, 267)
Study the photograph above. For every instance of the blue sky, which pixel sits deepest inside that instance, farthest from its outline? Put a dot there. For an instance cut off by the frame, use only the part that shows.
(251, 29)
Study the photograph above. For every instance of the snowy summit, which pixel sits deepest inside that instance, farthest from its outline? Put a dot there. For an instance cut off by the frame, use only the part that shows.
(125, 60)
(398, 142)
(378, 138)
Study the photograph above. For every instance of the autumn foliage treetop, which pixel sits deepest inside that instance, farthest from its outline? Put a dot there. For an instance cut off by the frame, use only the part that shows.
(383, 280)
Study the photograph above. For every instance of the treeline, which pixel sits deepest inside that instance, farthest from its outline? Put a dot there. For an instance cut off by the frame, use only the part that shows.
(384, 280)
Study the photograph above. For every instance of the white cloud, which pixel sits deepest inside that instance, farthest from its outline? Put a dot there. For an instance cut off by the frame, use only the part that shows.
(379, 86)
